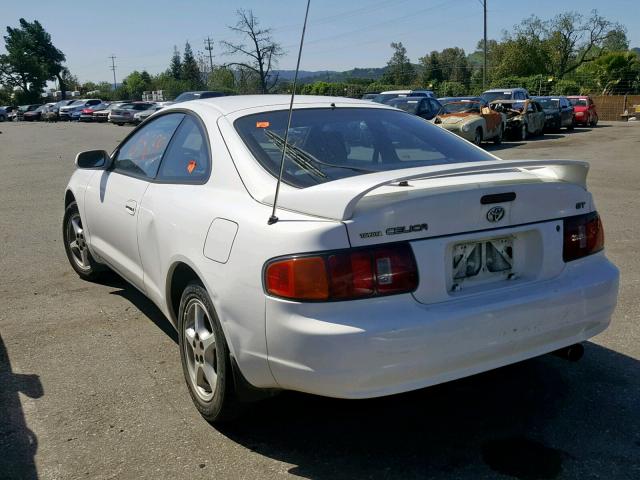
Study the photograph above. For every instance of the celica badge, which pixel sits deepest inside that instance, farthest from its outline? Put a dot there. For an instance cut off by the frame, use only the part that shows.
(495, 214)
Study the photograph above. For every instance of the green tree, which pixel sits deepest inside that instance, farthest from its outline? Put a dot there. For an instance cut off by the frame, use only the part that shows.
(175, 67)
(190, 71)
(431, 69)
(30, 61)
(615, 73)
(399, 70)
(221, 79)
(135, 84)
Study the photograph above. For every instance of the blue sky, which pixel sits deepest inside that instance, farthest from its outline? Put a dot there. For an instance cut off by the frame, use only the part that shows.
(341, 34)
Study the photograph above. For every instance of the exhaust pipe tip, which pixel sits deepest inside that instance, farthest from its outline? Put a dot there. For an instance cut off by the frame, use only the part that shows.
(573, 353)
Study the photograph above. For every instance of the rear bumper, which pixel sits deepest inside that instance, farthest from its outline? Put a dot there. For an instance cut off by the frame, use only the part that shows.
(383, 346)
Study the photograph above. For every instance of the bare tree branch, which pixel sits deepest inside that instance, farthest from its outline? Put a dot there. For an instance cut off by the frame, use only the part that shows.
(264, 52)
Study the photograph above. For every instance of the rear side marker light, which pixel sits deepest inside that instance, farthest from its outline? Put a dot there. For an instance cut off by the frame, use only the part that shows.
(344, 275)
(583, 235)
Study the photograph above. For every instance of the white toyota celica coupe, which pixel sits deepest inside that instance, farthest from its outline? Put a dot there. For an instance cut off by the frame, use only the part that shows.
(402, 257)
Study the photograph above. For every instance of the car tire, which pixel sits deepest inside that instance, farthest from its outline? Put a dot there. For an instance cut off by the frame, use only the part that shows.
(571, 126)
(205, 358)
(497, 140)
(523, 132)
(477, 138)
(75, 245)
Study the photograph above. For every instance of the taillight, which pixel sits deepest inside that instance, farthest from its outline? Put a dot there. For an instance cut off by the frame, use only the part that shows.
(344, 275)
(583, 235)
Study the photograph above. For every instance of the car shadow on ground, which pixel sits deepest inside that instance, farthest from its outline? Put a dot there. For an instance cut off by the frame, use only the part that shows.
(544, 418)
(18, 444)
(140, 301)
(526, 421)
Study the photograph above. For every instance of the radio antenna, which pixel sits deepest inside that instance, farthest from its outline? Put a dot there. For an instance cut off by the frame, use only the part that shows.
(273, 219)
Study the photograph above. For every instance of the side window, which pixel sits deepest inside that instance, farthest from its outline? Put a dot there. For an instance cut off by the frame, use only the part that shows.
(140, 155)
(187, 158)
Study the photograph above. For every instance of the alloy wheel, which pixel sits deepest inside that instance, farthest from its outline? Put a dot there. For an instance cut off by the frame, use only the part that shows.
(200, 350)
(77, 242)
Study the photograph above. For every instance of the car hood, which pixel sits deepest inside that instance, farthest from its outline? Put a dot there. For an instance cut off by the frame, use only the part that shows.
(579, 108)
(453, 118)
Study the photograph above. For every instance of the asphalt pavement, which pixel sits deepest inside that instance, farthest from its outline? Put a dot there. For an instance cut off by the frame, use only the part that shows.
(91, 384)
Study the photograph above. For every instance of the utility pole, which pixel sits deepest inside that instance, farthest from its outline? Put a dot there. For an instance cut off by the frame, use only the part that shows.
(484, 70)
(208, 45)
(113, 69)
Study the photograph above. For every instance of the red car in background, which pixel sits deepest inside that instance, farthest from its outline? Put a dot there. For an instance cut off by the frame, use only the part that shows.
(584, 110)
(86, 114)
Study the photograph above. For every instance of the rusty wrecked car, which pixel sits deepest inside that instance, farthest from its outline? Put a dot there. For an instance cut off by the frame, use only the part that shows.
(525, 118)
(472, 119)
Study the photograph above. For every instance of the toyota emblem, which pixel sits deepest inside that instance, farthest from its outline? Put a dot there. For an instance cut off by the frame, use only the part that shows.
(495, 214)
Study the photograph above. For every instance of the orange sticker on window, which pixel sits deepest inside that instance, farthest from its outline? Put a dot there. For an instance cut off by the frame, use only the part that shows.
(191, 166)
(262, 124)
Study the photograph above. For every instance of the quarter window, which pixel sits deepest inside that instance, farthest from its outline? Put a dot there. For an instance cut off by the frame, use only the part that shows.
(187, 158)
(140, 155)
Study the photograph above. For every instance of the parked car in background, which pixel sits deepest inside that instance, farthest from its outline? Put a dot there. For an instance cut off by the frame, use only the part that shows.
(524, 118)
(584, 110)
(384, 97)
(143, 115)
(186, 96)
(424, 107)
(3, 115)
(369, 96)
(52, 114)
(10, 112)
(505, 94)
(558, 112)
(86, 114)
(103, 115)
(401, 256)
(125, 113)
(472, 119)
(74, 109)
(22, 109)
(37, 114)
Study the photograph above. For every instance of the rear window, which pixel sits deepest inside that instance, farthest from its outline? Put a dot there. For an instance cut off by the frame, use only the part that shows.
(492, 96)
(580, 102)
(329, 144)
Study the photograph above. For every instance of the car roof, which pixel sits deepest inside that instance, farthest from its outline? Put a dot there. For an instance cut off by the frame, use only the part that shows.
(235, 103)
(504, 89)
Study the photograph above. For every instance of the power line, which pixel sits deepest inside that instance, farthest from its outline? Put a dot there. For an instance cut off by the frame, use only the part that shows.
(208, 45)
(113, 69)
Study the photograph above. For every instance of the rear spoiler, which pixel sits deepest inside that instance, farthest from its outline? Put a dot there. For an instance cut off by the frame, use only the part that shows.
(338, 199)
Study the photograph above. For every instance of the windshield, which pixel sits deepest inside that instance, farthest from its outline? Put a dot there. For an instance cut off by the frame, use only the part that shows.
(183, 97)
(549, 103)
(410, 106)
(462, 107)
(385, 97)
(580, 102)
(329, 144)
(491, 96)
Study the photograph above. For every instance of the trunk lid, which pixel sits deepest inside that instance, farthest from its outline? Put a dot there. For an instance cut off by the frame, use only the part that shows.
(432, 208)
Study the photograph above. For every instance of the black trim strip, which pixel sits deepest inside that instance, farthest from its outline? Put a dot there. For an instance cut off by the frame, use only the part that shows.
(498, 198)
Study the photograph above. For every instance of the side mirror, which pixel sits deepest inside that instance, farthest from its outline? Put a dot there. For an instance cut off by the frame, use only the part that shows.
(93, 160)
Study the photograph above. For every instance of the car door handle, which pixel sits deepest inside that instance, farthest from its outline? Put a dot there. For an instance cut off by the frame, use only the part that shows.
(131, 207)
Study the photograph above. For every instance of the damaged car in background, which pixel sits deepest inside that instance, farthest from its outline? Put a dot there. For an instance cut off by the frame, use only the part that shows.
(472, 119)
(525, 118)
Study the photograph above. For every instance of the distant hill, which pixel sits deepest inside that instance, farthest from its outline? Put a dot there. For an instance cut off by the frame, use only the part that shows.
(636, 50)
(305, 76)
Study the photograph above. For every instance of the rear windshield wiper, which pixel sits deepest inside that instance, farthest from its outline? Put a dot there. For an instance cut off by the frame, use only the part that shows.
(307, 157)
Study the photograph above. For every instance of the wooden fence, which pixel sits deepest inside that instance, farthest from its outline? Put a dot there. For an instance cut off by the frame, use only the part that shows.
(610, 107)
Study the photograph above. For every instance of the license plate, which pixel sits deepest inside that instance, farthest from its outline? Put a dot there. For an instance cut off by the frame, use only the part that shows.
(483, 260)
